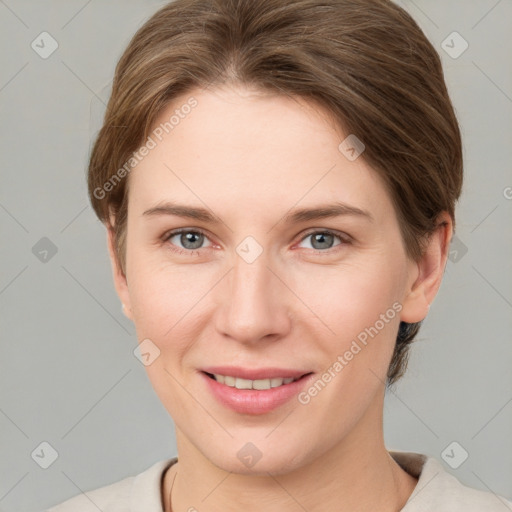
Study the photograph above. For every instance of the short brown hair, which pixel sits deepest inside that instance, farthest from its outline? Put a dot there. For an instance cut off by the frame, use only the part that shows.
(366, 61)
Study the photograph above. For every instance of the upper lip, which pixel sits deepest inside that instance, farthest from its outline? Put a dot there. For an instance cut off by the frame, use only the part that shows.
(255, 373)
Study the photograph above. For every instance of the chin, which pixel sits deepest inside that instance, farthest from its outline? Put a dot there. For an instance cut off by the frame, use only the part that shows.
(251, 460)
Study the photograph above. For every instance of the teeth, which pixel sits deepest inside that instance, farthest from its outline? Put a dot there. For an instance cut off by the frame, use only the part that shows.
(243, 383)
(237, 382)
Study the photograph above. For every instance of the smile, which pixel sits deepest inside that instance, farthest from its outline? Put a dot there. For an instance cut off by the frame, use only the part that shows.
(259, 384)
(255, 396)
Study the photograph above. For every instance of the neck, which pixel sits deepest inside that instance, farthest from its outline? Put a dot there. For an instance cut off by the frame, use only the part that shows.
(356, 474)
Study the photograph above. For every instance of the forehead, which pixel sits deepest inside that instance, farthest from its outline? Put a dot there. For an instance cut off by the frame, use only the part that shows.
(239, 146)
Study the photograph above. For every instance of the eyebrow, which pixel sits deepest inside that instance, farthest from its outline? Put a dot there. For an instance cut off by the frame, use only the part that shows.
(293, 216)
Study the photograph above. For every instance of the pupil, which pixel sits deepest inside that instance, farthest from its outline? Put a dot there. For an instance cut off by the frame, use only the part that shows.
(188, 238)
(321, 237)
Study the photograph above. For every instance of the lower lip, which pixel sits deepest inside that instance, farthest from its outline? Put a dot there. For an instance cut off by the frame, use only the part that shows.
(253, 401)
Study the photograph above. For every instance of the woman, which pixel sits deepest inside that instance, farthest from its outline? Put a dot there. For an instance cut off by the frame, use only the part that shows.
(278, 181)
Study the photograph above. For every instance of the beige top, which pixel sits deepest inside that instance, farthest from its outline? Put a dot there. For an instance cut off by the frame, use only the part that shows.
(436, 491)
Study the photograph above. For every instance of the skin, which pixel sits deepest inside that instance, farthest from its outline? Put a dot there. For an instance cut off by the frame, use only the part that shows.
(250, 158)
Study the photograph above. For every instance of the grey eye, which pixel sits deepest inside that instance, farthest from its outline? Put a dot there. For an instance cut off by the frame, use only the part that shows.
(321, 240)
(188, 239)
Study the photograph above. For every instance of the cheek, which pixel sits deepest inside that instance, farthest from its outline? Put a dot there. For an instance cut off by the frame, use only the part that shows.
(167, 300)
(358, 313)
(167, 310)
(350, 298)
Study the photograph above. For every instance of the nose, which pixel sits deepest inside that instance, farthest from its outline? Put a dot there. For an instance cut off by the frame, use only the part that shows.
(254, 304)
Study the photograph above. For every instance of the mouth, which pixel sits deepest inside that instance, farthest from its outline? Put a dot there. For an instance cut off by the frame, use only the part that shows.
(257, 396)
(257, 384)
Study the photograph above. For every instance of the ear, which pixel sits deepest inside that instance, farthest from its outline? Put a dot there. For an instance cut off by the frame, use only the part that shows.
(120, 281)
(427, 273)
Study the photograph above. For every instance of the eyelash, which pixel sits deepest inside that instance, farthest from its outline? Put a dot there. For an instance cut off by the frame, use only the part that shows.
(344, 239)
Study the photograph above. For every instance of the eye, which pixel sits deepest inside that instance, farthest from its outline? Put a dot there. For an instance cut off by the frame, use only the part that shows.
(323, 240)
(186, 240)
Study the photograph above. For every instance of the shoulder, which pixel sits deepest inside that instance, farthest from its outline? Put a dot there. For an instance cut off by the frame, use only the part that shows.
(452, 495)
(141, 490)
(440, 491)
(110, 498)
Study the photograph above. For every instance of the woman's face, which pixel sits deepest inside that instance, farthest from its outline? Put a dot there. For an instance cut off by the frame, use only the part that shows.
(258, 286)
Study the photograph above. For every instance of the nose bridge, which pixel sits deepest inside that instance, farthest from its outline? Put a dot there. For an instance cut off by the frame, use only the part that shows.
(251, 280)
(254, 304)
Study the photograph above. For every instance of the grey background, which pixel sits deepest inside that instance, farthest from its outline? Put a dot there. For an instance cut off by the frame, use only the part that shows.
(68, 374)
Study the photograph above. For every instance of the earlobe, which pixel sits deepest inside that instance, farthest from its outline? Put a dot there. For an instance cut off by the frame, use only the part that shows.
(120, 282)
(429, 271)
(126, 312)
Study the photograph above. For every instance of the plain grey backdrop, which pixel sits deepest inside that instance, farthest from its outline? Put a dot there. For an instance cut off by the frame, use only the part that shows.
(69, 378)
